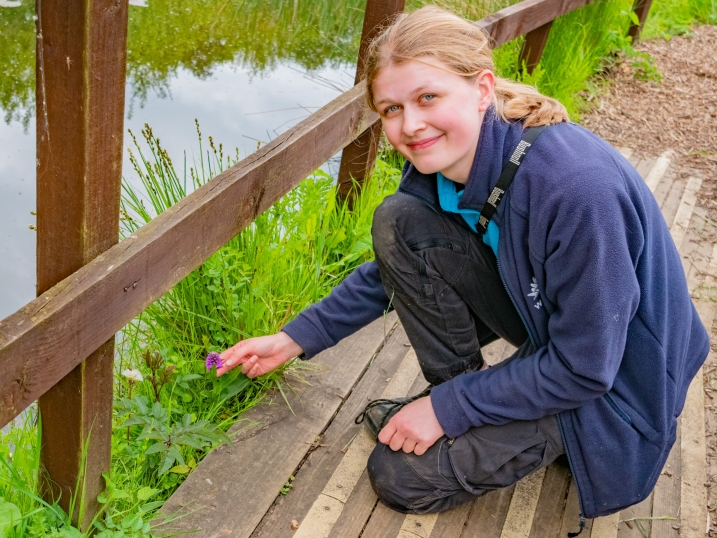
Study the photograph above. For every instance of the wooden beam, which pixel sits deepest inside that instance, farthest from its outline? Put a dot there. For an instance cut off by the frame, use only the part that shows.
(533, 47)
(359, 157)
(519, 19)
(46, 339)
(641, 9)
(81, 59)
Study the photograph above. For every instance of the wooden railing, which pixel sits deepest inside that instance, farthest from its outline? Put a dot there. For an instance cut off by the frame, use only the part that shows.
(59, 346)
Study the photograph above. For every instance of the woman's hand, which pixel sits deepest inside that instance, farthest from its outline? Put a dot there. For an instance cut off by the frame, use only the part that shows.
(259, 355)
(414, 428)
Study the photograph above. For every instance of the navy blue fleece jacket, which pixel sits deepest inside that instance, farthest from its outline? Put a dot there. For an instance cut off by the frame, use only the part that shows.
(615, 335)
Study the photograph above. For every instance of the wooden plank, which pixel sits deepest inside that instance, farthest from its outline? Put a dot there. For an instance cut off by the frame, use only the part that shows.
(605, 527)
(79, 127)
(357, 510)
(384, 523)
(625, 152)
(451, 522)
(493, 352)
(672, 201)
(666, 496)
(644, 166)
(519, 19)
(358, 158)
(533, 47)
(664, 187)
(641, 9)
(420, 526)
(551, 504)
(652, 179)
(571, 517)
(317, 470)
(522, 506)
(319, 521)
(488, 514)
(679, 227)
(271, 442)
(46, 339)
(631, 529)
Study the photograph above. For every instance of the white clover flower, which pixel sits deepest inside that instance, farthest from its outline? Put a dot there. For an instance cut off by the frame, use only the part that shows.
(133, 375)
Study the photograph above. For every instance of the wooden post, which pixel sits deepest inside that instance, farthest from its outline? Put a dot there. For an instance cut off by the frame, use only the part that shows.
(358, 158)
(641, 9)
(533, 47)
(81, 63)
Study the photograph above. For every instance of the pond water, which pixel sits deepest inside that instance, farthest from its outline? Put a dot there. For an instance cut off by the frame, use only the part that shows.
(246, 69)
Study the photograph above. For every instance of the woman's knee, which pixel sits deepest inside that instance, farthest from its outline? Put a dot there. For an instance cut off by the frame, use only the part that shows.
(397, 214)
(384, 472)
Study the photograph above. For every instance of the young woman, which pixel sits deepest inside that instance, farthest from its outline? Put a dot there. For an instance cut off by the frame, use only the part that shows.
(509, 222)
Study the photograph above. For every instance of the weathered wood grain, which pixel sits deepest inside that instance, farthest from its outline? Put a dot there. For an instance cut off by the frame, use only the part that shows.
(522, 506)
(319, 467)
(451, 522)
(652, 179)
(45, 340)
(571, 517)
(384, 523)
(79, 124)
(666, 496)
(551, 504)
(272, 442)
(679, 226)
(642, 511)
(488, 514)
(319, 521)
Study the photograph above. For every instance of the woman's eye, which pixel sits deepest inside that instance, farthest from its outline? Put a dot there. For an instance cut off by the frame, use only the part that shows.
(428, 97)
(390, 109)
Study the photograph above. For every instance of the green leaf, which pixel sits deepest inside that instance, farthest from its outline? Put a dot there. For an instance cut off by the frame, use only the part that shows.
(148, 507)
(9, 517)
(146, 492)
(180, 469)
(634, 18)
(156, 447)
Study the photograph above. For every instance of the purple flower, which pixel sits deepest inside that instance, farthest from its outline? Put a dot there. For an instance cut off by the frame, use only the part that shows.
(213, 359)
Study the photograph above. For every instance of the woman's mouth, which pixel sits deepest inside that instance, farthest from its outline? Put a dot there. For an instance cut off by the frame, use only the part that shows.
(423, 144)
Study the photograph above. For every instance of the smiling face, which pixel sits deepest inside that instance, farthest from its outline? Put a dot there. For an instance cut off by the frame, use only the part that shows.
(432, 116)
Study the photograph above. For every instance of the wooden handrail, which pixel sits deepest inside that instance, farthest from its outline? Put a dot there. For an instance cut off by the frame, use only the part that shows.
(47, 338)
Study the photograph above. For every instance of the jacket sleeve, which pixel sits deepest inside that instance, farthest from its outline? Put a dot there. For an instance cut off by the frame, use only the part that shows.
(592, 236)
(351, 305)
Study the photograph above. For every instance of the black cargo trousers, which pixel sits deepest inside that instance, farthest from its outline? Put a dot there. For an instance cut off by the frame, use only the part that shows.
(444, 283)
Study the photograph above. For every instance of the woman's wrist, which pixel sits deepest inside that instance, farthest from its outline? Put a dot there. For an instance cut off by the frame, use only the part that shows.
(290, 347)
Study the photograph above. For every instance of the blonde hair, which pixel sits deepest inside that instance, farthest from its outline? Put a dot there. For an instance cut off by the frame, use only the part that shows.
(464, 49)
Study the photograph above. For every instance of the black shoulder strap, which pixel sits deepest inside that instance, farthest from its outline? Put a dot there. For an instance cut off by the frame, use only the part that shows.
(530, 134)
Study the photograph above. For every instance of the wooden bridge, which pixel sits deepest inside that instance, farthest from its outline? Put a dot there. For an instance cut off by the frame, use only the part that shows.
(59, 348)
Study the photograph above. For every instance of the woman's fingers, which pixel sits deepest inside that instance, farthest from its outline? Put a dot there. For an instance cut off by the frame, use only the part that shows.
(409, 445)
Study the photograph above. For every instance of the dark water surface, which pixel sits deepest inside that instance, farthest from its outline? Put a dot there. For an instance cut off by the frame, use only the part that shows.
(246, 69)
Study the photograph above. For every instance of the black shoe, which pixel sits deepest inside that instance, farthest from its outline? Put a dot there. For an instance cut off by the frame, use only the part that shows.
(378, 412)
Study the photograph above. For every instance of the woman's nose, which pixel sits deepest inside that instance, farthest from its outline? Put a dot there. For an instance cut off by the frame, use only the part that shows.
(413, 122)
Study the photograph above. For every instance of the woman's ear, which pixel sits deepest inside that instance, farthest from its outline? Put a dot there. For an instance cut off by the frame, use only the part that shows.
(485, 82)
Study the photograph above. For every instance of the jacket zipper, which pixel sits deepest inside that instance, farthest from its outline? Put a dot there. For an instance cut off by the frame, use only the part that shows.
(560, 424)
(577, 488)
(515, 305)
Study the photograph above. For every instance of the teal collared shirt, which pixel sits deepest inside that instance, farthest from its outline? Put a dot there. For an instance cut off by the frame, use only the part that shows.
(449, 198)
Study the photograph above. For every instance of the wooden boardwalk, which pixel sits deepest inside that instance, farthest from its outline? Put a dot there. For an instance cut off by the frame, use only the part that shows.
(316, 455)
